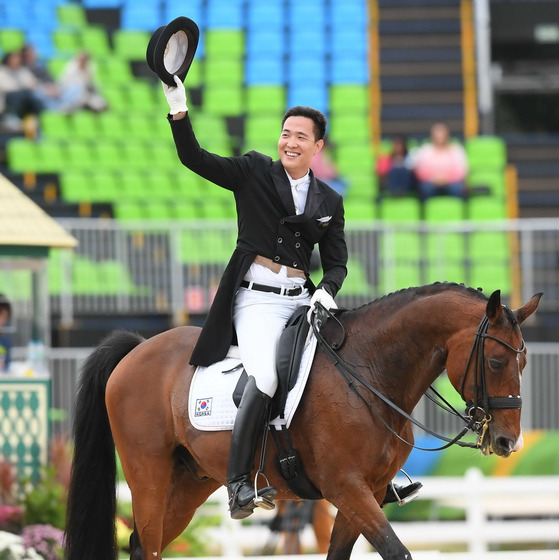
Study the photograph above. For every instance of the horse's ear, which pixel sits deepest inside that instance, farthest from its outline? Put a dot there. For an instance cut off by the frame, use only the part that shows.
(522, 313)
(494, 309)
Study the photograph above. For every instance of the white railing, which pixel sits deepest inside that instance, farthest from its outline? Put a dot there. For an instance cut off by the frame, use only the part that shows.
(510, 511)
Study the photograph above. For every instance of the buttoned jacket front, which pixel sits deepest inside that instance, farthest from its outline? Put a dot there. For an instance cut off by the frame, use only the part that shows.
(267, 226)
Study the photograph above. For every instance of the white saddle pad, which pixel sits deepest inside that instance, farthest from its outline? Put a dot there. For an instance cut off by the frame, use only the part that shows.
(210, 403)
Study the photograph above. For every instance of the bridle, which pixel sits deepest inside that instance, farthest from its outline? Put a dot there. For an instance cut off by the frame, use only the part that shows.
(481, 404)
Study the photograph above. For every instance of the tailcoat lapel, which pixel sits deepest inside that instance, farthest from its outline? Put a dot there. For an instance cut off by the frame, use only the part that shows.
(283, 187)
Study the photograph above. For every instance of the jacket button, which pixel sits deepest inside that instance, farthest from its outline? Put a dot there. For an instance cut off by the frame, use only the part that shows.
(282, 222)
(276, 258)
(297, 234)
(294, 265)
(280, 240)
(297, 245)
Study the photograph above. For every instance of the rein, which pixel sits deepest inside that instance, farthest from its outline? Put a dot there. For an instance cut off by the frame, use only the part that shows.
(482, 404)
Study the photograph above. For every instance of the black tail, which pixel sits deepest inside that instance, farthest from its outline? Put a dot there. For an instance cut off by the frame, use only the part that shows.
(90, 520)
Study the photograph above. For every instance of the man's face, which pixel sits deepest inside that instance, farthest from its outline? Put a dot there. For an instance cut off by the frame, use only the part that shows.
(297, 146)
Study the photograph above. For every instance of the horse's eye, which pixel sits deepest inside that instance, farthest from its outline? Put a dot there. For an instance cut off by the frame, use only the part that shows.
(495, 365)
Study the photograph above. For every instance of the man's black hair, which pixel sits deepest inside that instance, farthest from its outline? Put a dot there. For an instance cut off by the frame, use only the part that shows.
(315, 115)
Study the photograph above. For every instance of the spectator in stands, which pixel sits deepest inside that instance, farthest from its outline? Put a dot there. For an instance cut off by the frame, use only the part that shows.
(17, 92)
(324, 169)
(5, 342)
(78, 77)
(395, 169)
(441, 166)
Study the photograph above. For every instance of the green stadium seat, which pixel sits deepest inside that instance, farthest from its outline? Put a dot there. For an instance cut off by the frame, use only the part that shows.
(346, 128)
(158, 209)
(398, 276)
(141, 97)
(359, 210)
(491, 276)
(225, 100)
(81, 155)
(356, 283)
(492, 179)
(361, 186)
(11, 39)
(77, 186)
(112, 124)
(85, 124)
(223, 71)
(355, 158)
(106, 184)
(129, 210)
(22, 155)
(86, 277)
(108, 154)
(113, 71)
(446, 257)
(488, 208)
(444, 209)
(349, 98)
(400, 209)
(71, 14)
(224, 42)
(57, 64)
(195, 76)
(265, 100)
(486, 152)
(95, 41)
(484, 245)
(262, 128)
(130, 44)
(187, 210)
(52, 156)
(54, 124)
(135, 154)
(66, 41)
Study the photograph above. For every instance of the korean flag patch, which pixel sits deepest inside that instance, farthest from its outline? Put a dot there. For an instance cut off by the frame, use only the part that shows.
(203, 407)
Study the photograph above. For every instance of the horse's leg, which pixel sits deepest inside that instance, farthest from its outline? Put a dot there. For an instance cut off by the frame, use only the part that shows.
(342, 539)
(322, 522)
(187, 492)
(364, 515)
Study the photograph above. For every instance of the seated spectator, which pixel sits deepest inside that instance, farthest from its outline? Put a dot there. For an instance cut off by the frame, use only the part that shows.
(17, 92)
(324, 169)
(395, 170)
(74, 90)
(440, 166)
(78, 76)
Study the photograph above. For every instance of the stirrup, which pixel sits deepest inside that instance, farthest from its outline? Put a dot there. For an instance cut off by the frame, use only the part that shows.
(266, 499)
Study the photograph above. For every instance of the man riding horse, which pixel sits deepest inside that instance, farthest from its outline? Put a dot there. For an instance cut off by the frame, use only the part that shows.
(283, 211)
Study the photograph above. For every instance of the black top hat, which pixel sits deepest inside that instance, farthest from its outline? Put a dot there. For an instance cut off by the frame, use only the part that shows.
(171, 49)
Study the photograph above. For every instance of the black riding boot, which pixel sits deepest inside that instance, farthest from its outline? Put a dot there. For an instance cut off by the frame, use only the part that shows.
(401, 494)
(249, 426)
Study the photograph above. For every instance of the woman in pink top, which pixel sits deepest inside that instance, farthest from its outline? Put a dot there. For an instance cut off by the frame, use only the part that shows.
(441, 167)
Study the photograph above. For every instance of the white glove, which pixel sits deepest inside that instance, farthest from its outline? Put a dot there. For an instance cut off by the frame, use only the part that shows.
(176, 96)
(323, 297)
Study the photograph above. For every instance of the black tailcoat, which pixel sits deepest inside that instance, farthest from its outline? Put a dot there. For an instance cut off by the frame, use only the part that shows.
(267, 226)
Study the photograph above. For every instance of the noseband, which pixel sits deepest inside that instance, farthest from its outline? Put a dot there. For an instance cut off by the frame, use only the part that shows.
(482, 402)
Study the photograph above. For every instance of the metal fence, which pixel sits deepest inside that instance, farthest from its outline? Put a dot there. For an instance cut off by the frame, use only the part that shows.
(540, 386)
(174, 268)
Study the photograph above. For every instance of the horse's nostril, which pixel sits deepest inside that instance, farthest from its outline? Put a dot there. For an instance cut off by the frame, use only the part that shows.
(505, 444)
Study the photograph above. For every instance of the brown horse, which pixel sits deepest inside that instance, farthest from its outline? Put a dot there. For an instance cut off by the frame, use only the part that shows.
(134, 392)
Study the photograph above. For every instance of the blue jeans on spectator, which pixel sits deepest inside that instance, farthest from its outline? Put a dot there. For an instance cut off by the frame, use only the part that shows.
(428, 190)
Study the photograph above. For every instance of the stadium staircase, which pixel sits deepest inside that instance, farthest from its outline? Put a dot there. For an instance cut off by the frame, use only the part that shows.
(420, 66)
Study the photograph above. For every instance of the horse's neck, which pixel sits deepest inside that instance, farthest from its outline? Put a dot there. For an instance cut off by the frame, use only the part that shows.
(407, 350)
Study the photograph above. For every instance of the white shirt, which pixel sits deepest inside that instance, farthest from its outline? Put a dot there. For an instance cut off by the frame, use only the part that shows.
(299, 190)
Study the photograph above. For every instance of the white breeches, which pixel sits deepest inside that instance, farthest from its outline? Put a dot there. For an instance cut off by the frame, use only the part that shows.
(259, 319)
